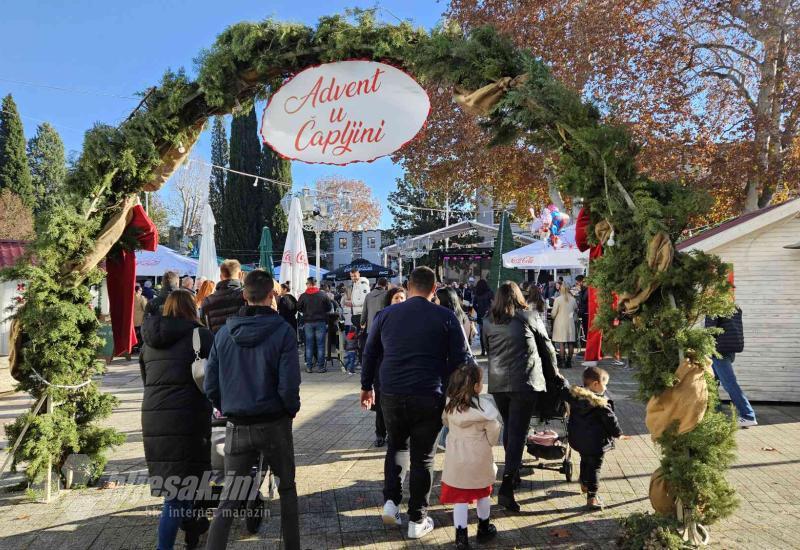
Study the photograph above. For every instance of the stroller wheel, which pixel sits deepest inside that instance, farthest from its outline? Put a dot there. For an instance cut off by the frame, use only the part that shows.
(256, 509)
(567, 469)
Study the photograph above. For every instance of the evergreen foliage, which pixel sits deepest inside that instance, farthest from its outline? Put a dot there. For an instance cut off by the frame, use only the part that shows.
(279, 169)
(216, 184)
(504, 242)
(14, 171)
(48, 166)
(242, 218)
(596, 161)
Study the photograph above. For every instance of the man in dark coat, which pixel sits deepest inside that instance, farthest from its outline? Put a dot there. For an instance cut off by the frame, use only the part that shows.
(729, 343)
(226, 300)
(170, 282)
(253, 377)
(416, 345)
(315, 307)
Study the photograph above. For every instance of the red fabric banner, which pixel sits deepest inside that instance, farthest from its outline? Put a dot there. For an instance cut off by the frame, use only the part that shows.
(121, 281)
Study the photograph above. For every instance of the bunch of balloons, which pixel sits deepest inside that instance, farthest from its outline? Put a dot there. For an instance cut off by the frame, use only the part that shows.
(550, 224)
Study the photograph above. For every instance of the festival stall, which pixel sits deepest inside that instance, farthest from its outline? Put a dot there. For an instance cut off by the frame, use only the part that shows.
(154, 264)
(541, 255)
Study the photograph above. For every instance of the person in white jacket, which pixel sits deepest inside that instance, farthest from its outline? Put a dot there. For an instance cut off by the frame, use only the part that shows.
(359, 293)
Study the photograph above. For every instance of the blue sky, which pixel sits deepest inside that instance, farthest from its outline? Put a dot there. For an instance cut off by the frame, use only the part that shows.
(118, 48)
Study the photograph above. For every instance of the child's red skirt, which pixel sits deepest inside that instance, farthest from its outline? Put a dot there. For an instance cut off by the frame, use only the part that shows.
(454, 495)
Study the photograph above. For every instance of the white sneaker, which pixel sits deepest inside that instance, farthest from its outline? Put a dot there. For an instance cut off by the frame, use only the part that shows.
(590, 363)
(417, 530)
(391, 514)
(744, 423)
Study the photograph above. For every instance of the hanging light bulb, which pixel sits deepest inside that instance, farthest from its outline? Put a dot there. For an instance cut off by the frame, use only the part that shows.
(255, 182)
(181, 148)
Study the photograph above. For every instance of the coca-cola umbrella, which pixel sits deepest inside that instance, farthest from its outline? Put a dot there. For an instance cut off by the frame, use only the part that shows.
(366, 269)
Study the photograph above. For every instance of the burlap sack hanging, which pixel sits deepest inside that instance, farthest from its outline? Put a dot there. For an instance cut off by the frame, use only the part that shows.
(660, 253)
(75, 272)
(173, 158)
(483, 100)
(685, 402)
(663, 503)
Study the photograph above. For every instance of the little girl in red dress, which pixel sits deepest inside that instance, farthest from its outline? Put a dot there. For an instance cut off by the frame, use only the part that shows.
(469, 469)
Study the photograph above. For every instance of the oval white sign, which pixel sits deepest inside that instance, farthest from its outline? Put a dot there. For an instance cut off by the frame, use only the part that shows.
(343, 112)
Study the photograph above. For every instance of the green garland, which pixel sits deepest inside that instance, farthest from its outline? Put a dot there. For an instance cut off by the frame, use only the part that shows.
(596, 160)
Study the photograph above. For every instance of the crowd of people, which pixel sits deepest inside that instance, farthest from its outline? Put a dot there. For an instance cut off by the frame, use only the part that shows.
(413, 344)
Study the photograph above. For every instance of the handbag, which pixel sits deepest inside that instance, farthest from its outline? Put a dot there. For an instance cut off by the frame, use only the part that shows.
(199, 364)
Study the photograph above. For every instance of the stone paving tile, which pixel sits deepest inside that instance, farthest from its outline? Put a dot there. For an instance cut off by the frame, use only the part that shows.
(339, 479)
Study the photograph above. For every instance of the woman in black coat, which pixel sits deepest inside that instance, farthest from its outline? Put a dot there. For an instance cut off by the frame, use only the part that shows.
(520, 356)
(481, 303)
(176, 416)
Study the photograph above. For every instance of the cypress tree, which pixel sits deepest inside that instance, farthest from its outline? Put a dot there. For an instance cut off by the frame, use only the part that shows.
(242, 220)
(14, 172)
(504, 242)
(279, 169)
(216, 186)
(47, 165)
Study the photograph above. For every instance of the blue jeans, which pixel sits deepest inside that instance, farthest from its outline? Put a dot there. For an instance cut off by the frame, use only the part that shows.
(315, 340)
(173, 514)
(723, 370)
(350, 361)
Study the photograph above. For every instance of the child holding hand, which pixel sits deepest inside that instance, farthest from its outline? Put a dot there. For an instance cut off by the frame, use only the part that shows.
(469, 469)
(350, 351)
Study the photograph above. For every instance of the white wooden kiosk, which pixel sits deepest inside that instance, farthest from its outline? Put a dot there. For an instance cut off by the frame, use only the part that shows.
(763, 248)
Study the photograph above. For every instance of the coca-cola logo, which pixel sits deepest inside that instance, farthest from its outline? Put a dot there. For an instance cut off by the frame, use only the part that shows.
(287, 257)
(301, 258)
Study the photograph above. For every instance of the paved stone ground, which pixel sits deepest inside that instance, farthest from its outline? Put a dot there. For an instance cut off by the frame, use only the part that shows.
(339, 483)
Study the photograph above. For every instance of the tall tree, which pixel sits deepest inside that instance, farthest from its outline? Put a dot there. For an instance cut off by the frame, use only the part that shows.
(14, 171)
(704, 86)
(504, 242)
(418, 210)
(216, 186)
(351, 204)
(16, 219)
(48, 166)
(242, 211)
(279, 169)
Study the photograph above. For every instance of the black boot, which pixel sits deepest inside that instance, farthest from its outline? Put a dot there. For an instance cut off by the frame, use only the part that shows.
(559, 361)
(486, 531)
(505, 496)
(568, 364)
(462, 539)
(194, 529)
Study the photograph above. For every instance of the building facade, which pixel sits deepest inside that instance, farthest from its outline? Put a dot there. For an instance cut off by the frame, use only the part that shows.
(347, 246)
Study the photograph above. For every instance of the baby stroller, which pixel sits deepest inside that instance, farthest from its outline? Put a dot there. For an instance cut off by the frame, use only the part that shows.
(255, 508)
(548, 439)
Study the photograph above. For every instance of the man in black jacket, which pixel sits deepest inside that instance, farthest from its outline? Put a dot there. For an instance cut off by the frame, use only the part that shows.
(729, 343)
(416, 344)
(315, 307)
(253, 377)
(170, 282)
(227, 297)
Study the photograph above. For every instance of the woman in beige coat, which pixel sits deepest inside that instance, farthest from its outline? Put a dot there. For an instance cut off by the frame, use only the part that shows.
(469, 468)
(564, 309)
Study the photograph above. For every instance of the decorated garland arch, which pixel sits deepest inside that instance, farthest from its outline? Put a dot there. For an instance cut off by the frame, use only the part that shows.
(662, 293)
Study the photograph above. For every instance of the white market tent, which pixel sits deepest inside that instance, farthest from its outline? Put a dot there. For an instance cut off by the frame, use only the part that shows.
(540, 255)
(312, 272)
(154, 264)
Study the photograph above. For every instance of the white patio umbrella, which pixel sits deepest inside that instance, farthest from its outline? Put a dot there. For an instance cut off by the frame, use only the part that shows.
(294, 264)
(207, 262)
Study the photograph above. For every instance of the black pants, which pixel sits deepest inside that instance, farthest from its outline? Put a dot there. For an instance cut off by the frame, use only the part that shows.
(242, 445)
(516, 408)
(412, 425)
(590, 472)
(380, 424)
